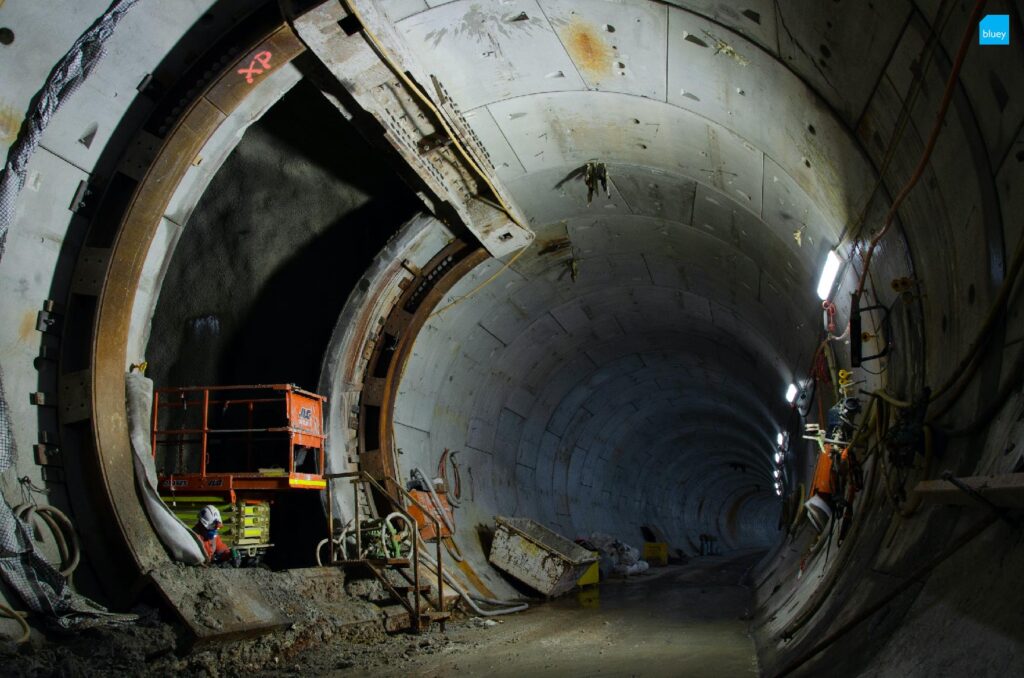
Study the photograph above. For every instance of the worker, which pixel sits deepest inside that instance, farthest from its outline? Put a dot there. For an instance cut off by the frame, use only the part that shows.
(208, 529)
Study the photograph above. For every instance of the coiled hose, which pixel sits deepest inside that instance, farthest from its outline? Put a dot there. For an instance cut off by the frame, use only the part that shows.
(67, 546)
(63, 533)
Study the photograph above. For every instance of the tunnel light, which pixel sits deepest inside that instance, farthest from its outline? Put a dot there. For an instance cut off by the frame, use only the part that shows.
(791, 393)
(780, 439)
(776, 473)
(778, 490)
(778, 457)
(828, 274)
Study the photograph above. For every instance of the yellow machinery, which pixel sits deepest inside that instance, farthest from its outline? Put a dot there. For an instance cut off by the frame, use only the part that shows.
(246, 522)
(656, 553)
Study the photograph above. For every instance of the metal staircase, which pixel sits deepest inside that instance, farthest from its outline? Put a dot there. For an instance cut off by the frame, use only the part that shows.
(412, 596)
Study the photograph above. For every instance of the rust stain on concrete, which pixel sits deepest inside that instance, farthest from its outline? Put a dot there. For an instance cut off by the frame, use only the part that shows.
(10, 123)
(27, 326)
(471, 574)
(587, 47)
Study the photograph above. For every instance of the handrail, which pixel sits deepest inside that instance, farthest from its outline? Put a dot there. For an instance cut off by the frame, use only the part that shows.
(288, 396)
(275, 429)
(361, 476)
(437, 530)
(240, 387)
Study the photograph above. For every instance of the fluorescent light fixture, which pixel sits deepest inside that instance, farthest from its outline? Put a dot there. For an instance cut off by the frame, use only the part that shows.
(828, 274)
(778, 457)
(791, 393)
(778, 490)
(776, 473)
(780, 439)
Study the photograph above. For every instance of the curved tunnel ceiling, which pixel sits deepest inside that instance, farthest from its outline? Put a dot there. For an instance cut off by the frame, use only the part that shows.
(629, 368)
(625, 370)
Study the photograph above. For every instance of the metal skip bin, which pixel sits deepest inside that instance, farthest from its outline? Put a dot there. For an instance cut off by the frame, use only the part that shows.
(538, 557)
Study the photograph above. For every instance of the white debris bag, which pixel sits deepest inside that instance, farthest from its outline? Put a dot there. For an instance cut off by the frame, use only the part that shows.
(179, 540)
(617, 557)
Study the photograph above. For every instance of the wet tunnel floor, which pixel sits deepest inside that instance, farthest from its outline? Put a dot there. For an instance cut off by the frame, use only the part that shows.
(680, 620)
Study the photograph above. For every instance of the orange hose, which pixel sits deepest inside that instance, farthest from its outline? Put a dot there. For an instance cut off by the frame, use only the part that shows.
(947, 97)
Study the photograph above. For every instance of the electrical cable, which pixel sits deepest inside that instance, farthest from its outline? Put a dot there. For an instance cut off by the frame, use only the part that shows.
(463, 151)
(454, 494)
(18, 616)
(422, 96)
(823, 590)
(469, 599)
(892, 400)
(903, 120)
(933, 137)
(482, 285)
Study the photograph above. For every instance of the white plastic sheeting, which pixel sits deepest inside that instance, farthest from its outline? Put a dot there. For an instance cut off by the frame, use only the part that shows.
(180, 541)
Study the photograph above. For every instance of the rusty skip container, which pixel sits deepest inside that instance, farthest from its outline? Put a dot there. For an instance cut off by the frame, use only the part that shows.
(538, 557)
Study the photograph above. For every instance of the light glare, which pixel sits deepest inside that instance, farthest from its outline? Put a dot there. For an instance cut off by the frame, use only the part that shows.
(828, 274)
(791, 393)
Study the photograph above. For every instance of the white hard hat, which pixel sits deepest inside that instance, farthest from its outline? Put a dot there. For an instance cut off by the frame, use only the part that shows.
(208, 515)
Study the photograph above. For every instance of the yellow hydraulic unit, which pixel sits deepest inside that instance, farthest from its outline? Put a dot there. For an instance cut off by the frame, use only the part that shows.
(246, 522)
(656, 553)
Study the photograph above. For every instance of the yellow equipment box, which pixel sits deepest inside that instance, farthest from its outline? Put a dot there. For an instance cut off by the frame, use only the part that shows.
(591, 575)
(656, 553)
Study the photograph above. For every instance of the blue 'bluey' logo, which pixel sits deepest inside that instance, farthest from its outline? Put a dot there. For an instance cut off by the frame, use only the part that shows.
(994, 30)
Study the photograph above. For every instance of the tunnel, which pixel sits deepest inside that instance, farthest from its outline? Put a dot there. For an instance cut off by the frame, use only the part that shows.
(735, 278)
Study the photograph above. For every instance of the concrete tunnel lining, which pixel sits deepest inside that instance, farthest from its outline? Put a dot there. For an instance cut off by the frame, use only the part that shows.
(663, 228)
(690, 280)
(678, 264)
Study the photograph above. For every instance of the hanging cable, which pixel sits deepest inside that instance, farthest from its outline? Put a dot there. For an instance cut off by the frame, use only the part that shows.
(940, 117)
(903, 121)
(453, 490)
(485, 283)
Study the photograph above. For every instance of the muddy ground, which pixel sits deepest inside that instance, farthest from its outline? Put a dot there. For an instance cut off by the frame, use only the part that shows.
(677, 620)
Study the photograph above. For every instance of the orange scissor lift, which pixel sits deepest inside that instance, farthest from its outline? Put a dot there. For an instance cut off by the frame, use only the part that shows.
(238, 448)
